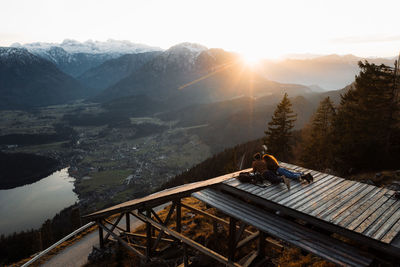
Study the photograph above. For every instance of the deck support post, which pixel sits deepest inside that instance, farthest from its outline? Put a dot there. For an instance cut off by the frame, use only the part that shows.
(232, 239)
(178, 215)
(261, 245)
(148, 236)
(128, 222)
(101, 237)
(185, 256)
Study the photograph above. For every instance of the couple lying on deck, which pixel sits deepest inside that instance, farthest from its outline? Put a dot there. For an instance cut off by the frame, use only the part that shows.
(268, 167)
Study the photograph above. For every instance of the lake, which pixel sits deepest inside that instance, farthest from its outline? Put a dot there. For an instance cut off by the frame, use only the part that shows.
(28, 206)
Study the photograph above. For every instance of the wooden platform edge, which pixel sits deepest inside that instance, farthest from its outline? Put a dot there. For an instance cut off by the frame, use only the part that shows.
(161, 196)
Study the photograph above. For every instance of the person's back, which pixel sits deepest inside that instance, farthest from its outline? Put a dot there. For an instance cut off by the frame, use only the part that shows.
(258, 164)
(271, 162)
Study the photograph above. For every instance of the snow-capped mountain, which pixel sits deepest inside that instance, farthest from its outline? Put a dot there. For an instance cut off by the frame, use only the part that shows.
(179, 57)
(75, 58)
(27, 80)
(188, 73)
(92, 47)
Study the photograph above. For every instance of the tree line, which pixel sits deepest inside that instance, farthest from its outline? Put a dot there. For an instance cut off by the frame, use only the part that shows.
(361, 133)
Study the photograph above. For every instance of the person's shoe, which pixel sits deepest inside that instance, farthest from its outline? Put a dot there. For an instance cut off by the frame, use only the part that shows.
(308, 177)
(287, 182)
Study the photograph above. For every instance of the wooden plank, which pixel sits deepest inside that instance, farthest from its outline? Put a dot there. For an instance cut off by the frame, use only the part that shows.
(254, 188)
(233, 182)
(294, 187)
(343, 201)
(317, 194)
(349, 203)
(314, 193)
(392, 233)
(385, 222)
(272, 187)
(298, 187)
(355, 223)
(331, 195)
(259, 190)
(331, 198)
(242, 186)
(188, 241)
(374, 216)
(352, 213)
(279, 189)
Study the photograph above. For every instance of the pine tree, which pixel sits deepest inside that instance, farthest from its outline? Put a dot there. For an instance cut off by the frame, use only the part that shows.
(366, 132)
(317, 145)
(279, 130)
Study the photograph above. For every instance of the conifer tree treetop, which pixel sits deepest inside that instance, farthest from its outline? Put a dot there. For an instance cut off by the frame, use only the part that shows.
(279, 130)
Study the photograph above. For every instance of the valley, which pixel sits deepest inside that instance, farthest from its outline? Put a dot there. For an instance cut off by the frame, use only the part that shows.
(110, 164)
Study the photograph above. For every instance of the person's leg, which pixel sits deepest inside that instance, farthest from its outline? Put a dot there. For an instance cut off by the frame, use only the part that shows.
(289, 174)
(272, 177)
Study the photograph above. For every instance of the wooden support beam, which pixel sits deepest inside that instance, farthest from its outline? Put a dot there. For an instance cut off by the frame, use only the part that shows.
(240, 232)
(137, 246)
(232, 239)
(115, 224)
(156, 216)
(141, 236)
(112, 224)
(189, 242)
(101, 237)
(171, 210)
(250, 258)
(261, 245)
(149, 236)
(178, 216)
(128, 222)
(213, 217)
(185, 256)
(247, 240)
(121, 241)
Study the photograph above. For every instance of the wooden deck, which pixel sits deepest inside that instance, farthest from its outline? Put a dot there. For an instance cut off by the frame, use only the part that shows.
(361, 208)
(365, 214)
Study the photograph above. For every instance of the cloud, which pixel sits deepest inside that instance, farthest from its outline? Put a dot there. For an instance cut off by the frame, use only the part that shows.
(366, 39)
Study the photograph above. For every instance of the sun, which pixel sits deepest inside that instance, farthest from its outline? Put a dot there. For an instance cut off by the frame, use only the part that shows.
(250, 58)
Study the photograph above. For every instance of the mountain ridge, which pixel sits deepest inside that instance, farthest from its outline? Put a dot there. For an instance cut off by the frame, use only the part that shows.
(27, 81)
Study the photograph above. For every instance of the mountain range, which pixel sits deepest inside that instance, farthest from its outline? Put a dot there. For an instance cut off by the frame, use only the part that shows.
(186, 74)
(74, 58)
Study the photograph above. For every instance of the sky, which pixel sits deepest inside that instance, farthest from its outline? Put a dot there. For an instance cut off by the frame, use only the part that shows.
(257, 29)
